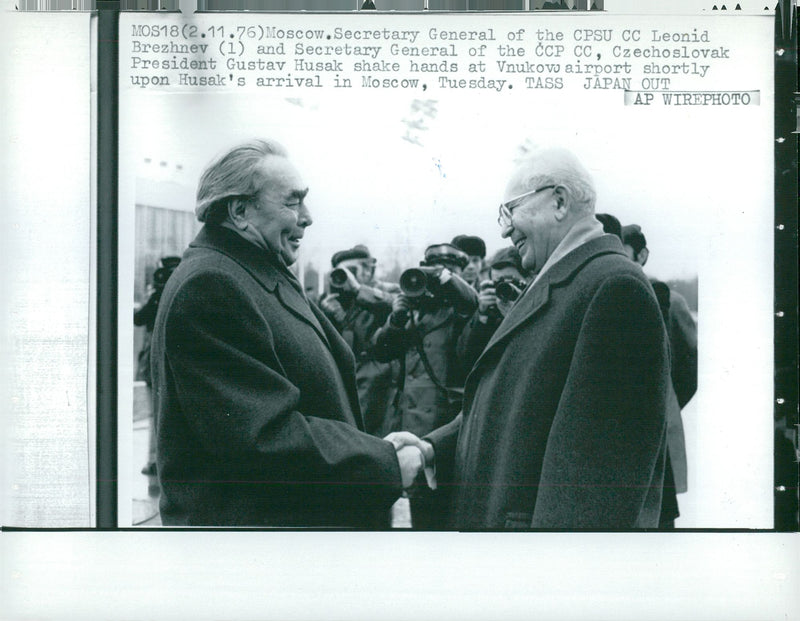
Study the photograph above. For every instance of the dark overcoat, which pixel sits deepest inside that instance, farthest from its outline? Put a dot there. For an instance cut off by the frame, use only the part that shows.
(259, 422)
(563, 423)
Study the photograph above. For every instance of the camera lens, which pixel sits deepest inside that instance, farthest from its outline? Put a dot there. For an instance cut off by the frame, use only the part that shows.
(338, 277)
(413, 282)
(507, 292)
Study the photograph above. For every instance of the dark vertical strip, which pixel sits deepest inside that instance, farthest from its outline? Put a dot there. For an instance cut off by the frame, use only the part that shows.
(107, 205)
(786, 309)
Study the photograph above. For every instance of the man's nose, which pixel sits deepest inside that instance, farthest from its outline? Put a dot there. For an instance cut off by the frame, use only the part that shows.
(505, 230)
(304, 216)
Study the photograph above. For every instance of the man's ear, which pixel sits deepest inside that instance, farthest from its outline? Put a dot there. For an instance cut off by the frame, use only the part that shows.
(237, 213)
(641, 258)
(561, 196)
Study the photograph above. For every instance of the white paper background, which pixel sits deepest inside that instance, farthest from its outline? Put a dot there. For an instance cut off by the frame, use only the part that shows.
(46, 249)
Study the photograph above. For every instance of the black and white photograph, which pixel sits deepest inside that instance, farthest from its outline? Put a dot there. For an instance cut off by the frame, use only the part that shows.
(479, 309)
(377, 313)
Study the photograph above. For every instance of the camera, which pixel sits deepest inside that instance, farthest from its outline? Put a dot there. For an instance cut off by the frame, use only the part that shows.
(421, 283)
(162, 273)
(508, 289)
(340, 283)
(417, 281)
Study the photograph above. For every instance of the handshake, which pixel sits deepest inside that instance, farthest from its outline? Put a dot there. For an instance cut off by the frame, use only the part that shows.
(414, 456)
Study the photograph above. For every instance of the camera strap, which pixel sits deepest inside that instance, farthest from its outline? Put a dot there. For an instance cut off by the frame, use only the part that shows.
(450, 392)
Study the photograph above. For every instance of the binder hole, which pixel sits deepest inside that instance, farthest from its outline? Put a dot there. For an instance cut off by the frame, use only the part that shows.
(780, 227)
(780, 51)
(781, 488)
(780, 140)
(779, 313)
(780, 401)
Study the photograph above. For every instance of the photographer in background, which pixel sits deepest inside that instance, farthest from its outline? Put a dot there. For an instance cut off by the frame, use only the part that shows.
(146, 316)
(475, 249)
(507, 281)
(358, 305)
(682, 331)
(421, 333)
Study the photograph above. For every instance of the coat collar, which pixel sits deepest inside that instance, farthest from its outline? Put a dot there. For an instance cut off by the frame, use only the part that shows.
(536, 297)
(585, 229)
(265, 268)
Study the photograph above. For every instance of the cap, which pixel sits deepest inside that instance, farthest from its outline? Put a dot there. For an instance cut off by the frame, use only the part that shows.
(507, 257)
(470, 244)
(445, 253)
(610, 224)
(358, 251)
(170, 262)
(632, 235)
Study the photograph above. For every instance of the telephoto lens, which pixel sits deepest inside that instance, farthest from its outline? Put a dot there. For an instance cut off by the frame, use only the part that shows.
(416, 281)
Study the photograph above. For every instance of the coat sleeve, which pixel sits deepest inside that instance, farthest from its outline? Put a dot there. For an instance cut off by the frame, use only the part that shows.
(146, 315)
(376, 301)
(603, 451)
(236, 397)
(683, 338)
(444, 441)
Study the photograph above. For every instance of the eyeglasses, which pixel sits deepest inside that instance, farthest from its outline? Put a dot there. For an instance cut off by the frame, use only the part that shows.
(504, 217)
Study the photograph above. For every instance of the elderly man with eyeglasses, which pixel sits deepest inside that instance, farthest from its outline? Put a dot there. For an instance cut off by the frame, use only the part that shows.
(563, 422)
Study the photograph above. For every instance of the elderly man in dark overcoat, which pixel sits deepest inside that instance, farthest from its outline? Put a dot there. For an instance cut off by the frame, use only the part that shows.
(258, 415)
(563, 424)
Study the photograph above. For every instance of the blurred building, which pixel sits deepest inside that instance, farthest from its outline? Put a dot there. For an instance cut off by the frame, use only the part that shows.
(165, 221)
(164, 224)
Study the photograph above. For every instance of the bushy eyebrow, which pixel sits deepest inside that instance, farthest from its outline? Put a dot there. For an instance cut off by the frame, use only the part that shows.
(298, 194)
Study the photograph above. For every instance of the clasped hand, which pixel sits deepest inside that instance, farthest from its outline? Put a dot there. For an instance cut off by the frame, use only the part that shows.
(413, 454)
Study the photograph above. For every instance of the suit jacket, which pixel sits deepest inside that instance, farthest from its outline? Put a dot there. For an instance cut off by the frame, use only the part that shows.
(563, 423)
(258, 417)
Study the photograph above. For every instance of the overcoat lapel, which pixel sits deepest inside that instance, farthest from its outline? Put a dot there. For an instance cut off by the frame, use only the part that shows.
(298, 306)
(523, 311)
(343, 355)
(535, 299)
(259, 265)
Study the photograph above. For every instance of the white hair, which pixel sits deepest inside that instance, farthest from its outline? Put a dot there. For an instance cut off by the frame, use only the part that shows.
(236, 175)
(537, 166)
